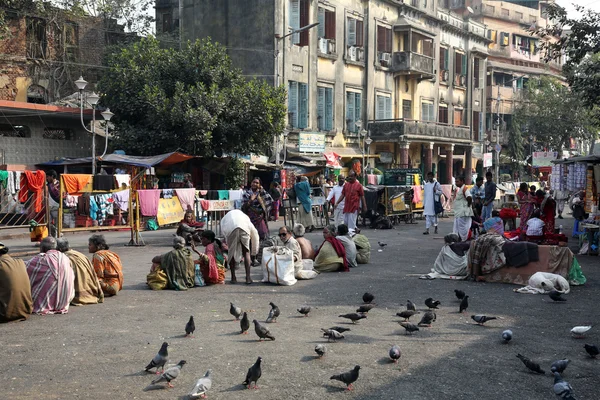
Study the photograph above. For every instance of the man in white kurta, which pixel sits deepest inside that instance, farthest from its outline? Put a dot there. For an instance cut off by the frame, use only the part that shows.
(463, 212)
(431, 193)
(334, 194)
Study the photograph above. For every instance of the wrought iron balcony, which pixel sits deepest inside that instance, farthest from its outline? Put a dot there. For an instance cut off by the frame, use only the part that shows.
(408, 129)
(408, 62)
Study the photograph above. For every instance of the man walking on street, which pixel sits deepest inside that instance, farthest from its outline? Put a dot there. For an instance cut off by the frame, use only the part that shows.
(490, 196)
(334, 194)
(353, 193)
(432, 193)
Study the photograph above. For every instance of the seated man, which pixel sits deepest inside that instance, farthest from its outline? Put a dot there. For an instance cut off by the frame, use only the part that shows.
(52, 279)
(188, 227)
(15, 290)
(363, 248)
(452, 259)
(288, 241)
(344, 237)
(535, 227)
(308, 253)
(242, 240)
(87, 285)
(107, 265)
(331, 256)
(178, 265)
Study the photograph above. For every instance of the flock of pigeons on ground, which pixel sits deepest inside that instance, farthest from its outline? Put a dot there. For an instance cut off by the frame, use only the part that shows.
(561, 388)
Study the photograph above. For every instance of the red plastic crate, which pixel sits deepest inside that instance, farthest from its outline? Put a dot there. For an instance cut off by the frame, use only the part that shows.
(83, 221)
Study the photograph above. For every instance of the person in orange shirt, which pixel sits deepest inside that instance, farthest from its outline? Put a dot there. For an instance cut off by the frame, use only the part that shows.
(107, 265)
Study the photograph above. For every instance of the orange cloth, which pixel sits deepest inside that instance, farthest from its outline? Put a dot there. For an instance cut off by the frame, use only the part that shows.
(109, 270)
(74, 183)
(33, 181)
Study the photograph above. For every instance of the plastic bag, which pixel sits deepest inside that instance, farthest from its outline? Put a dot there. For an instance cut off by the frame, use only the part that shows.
(278, 266)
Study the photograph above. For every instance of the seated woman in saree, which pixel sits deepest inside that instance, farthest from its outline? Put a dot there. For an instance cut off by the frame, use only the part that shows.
(189, 227)
(87, 286)
(178, 265)
(302, 189)
(212, 261)
(547, 206)
(257, 205)
(343, 235)
(107, 265)
(15, 291)
(331, 256)
(363, 248)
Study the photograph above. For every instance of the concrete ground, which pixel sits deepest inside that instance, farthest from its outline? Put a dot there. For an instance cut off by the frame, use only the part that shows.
(99, 351)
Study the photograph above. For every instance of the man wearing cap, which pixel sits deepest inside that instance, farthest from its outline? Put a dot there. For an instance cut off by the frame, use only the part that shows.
(15, 291)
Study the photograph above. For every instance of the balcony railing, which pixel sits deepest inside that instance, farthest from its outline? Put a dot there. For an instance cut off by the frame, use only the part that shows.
(393, 130)
(410, 63)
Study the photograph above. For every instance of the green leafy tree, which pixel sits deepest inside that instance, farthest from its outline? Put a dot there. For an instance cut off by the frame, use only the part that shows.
(235, 176)
(190, 99)
(553, 114)
(515, 146)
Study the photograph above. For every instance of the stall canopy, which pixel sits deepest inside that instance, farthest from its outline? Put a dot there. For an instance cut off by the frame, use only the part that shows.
(594, 159)
(137, 161)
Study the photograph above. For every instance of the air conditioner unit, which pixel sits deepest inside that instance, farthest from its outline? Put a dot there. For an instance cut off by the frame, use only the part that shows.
(385, 58)
(352, 53)
(323, 46)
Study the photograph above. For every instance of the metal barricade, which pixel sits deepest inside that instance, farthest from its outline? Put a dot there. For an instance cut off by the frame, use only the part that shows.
(18, 210)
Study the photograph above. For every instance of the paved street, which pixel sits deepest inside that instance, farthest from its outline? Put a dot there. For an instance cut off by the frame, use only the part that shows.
(99, 351)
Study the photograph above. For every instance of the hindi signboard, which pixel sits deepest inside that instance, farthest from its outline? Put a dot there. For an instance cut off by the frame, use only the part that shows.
(543, 158)
(311, 142)
(487, 160)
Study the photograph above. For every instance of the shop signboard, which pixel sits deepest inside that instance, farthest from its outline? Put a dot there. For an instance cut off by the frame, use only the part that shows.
(487, 160)
(400, 176)
(169, 211)
(543, 158)
(311, 142)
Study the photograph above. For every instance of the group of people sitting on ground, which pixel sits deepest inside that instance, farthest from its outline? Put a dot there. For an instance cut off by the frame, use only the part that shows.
(56, 278)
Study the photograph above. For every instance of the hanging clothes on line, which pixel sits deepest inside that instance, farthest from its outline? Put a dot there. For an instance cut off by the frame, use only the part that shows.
(167, 193)
(121, 200)
(74, 183)
(33, 181)
(186, 198)
(104, 183)
(149, 201)
(123, 180)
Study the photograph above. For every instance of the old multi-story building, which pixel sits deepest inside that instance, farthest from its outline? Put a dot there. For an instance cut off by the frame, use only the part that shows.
(410, 75)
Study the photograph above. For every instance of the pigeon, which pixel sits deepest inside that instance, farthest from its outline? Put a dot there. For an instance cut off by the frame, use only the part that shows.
(244, 323)
(353, 317)
(481, 319)
(160, 359)
(432, 303)
(592, 350)
(464, 304)
(381, 244)
(304, 310)
(507, 335)
(410, 328)
(331, 334)
(561, 388)
(235, 311)
(320, 349)
(262, 331)
(459, 294)
(340, 329)
(427, 319)
(560, 365)
(410, 306)
(170, 374)
(190, 327)
(535, 367)
(274, 313)
(556, 296)
(406, 314)
(368, 297)
(580, 331)
(395, 353)
(365, 309)
(348, 377)
(202, 386)
(254, 373)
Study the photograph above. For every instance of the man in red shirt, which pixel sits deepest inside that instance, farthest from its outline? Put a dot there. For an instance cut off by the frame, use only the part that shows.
(354, 195)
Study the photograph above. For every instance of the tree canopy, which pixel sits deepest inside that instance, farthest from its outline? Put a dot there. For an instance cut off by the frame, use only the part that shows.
(190, 99)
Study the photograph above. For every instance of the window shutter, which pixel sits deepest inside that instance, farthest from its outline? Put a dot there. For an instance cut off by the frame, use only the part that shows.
(380, 112)
(358, 109)
(380, 38)
(464, 64)
(302, 105)
(322, 25)
(328, 109)
(351, 32)
(388, 41)
(295, 19)
(330, 24)
(446, 57)
(304, 20)
(480, 126)
(360, 34)
(350, 111)
(388, 108)
(293, 103)
(321, 108)
(481, 74)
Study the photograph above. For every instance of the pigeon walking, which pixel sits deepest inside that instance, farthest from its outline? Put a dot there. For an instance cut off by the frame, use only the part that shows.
(481, 319)
(368, 297)
(535, 367)
(353, 317)
(340, 329)
(381, 245)
(562, 388)
(395, 353)
(507, 335)
(410, 328)
(432, 303)
(254, 374)
(262, 331)
(160, 359)
(556, 296)
(320, 349)
(410, 306)
(331, 334)
(592, 350)
(170, 374)
(365, 308)
(274, 313)
(464, 304)
(304, 310)
(580, 331)
(235, 311)
(190, 327)
(560, 365)
(427, 319)
(459, 294)
(244, 323)
(202, 386)
(348, 377)
(406, 314)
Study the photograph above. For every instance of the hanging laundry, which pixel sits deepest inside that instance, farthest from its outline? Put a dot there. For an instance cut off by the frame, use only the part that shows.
(11, 185)
(74, 183)
(83, 205)
(236, 194)
(203, 192)
(121, 200)
(35, 182)
(417, 197)
(93, 208)
(104, 183)
(223, 194)
(149, 202)
(123, 180)
(186, 198)
(3, 178)
(167, 193)
(105, 206)
(71, 201)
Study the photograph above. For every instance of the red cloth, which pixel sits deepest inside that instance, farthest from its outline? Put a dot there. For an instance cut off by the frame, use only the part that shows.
(352, 193)
(548, 215)
(339, 249)
(33, 181)
(508, 213)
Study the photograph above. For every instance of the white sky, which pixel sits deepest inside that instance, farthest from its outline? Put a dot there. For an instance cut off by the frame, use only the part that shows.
(568, 4)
